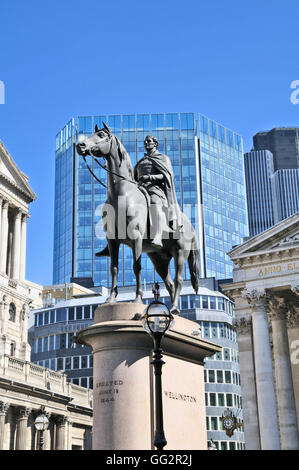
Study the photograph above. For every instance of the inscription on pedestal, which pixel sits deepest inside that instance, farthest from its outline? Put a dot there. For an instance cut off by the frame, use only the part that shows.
(180, 396)
(108, 390)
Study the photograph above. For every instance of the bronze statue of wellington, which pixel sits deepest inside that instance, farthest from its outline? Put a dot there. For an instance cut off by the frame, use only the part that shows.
(142, 212)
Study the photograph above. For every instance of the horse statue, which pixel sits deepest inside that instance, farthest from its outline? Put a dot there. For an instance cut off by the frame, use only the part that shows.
(126, 218)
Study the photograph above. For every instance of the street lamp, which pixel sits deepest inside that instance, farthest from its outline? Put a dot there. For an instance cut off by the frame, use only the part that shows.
(156, 321)
(41, 424)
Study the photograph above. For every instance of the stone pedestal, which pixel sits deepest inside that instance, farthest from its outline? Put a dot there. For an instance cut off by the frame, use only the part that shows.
(124, 381)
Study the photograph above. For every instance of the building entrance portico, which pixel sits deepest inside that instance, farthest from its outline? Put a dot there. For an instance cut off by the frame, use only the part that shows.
(266, 292)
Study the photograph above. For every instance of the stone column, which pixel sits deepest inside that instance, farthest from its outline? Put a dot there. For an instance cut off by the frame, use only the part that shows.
(266, 399)
(16, 246)
(23, 248)
(289, 438)
(4, 236)
(243, 327)
(3, 410)
(22, 427)
(61, 422)
(1, 202)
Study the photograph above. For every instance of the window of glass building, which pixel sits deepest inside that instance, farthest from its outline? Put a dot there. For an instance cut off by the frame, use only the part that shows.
(206, 326)
(214, 423)
(228, 378)
(83, 362)
(211, 376)
(205, 301)
(206, 399)
(90, 361)
(226, 354)
(229, 399)
(78, 313)
(76, 361)
(220, 303)
(68, 362)
(212, 399)
(52, 316)
(86, 312)
(208, 423)
(220, 376)
(46, 343)
(213, 303)
(221, 401)
(53, 364)
(63, 340)
(60, 363)
(46, 318)
(71, 313)
(61, 314)
(184, 301)
(84, 382)
(52, 342)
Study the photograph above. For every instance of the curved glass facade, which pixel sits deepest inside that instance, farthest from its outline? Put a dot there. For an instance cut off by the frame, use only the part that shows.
(209, 182)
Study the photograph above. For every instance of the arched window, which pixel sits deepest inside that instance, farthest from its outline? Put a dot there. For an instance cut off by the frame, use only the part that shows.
(12, 312)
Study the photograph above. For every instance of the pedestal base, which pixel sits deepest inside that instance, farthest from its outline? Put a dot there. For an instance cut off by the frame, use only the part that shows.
(124, 381)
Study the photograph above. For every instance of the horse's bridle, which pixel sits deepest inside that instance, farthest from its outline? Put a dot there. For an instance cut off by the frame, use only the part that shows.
(104, 168)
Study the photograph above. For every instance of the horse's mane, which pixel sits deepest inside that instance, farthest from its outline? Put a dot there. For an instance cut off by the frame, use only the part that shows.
(124, 156)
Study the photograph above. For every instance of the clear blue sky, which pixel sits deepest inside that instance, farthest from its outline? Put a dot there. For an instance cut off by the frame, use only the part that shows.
(231, 60)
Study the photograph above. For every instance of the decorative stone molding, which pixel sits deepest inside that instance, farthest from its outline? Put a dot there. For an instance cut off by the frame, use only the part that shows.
(295, 289)
(3, 407)
(256, 298)
(242, 325)
(23, 412)
(289, 240)
(277, 308)
(61, 420)
(292, 319)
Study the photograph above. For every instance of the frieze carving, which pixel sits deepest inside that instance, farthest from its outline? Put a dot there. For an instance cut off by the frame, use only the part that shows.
(242, 325)
(289, 240)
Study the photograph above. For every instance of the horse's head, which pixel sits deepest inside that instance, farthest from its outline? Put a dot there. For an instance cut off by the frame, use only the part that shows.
(98, 144)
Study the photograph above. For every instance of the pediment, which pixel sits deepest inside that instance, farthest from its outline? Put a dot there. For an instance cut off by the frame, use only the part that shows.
(284, 235)
(13, 176)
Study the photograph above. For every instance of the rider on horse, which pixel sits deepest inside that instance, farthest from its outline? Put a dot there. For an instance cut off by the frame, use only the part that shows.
(154, 173)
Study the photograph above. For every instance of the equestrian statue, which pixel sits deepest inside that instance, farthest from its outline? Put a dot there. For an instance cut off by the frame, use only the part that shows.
(142, 212)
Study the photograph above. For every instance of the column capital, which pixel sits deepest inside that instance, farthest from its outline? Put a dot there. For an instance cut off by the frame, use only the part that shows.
(295, 288)
(242, 325)
(277, 308)
(292, 319)
(256, 298)
(18, 213)
(3, 407)
(5, 204)
(61, 420)
(22, 412)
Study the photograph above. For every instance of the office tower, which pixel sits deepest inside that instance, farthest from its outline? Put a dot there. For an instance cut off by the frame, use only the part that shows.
(286, 193)
(207, 161)
(271, 195)
(55, 326)
(259, 168)
(283, 142)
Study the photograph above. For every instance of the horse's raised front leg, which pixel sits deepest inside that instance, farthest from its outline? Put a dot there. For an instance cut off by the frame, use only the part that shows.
(113, 250)
(180, 260)
(137, 251)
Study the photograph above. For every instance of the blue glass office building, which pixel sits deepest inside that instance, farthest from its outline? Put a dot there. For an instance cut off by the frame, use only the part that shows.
(207, 161)
(272, 196)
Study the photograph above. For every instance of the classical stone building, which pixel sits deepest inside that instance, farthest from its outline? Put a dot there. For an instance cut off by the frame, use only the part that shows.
(265, 289)
(26, 388)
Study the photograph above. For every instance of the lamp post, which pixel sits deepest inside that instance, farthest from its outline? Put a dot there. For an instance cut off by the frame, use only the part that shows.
(41, 424)
(156, 321)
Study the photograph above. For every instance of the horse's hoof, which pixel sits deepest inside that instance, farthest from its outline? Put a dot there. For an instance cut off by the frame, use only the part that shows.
(174, 310)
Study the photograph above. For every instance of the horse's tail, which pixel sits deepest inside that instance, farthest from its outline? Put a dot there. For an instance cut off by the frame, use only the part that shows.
(193, 261)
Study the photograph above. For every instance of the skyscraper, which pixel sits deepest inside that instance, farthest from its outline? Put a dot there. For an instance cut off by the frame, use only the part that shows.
(271, 195)
(283, 142)
(259, 167)
(207, 161)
